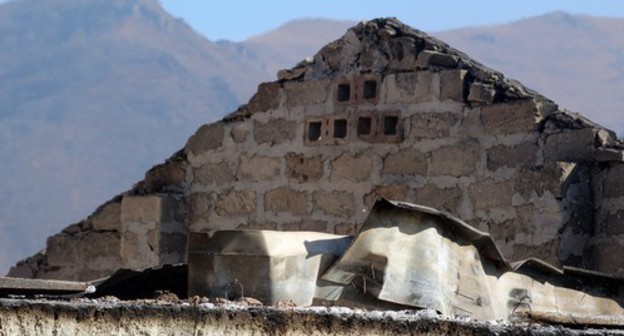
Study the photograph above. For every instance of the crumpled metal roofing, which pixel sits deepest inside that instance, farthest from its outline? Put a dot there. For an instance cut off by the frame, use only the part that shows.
(270, 266)
(405, 255)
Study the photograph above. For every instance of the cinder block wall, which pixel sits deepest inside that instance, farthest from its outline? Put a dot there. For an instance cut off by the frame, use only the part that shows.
(482, 162)
(385, 111)
(141, 228)
(607, 243)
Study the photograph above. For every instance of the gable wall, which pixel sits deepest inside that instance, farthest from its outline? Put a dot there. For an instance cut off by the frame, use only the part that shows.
(544, 183)
(482, 162)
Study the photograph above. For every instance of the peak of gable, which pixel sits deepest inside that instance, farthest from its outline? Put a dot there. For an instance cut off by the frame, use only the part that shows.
(387, 46)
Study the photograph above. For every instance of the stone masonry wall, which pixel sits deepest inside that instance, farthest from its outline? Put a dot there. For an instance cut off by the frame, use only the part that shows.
(469, 160)
(385, 111)
(141, 228)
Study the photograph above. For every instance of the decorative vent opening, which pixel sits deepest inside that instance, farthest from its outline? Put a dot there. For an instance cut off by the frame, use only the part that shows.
(340, 128)
(391, 124)
(364, 126)
(370, 89)
(314, 130)
(344, 92)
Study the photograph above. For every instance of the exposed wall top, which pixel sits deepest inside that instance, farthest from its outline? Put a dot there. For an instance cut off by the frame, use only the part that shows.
(389, 46)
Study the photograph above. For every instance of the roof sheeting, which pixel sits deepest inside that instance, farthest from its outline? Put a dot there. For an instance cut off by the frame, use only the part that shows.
(405, 255)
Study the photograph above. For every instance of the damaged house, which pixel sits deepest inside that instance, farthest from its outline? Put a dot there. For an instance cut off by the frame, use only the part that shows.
(388, 112)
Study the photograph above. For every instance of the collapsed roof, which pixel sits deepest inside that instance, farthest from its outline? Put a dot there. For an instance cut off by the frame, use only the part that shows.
(405, 255)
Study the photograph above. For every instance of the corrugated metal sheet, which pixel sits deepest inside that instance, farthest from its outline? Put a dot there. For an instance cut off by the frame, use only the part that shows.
(423, 258)
(405, 255)
(31, 287)
(268, 265)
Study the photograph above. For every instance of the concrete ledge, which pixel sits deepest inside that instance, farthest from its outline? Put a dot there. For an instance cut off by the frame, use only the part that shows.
(91, 317)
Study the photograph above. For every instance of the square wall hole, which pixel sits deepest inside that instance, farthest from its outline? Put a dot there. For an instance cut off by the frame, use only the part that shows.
(364, 126)
(370, 89)
(340, 128)
(344, 92)
(391, 124)
(314, 130)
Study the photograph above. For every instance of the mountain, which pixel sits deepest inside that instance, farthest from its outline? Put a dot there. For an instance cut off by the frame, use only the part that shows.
(575, 60)
(285, 46)
(94, 92)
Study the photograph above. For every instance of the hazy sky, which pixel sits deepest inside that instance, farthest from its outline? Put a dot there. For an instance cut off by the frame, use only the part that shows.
(239, 19)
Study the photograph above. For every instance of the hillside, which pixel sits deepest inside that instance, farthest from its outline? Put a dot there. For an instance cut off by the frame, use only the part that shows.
(92, 93)
(293, 41)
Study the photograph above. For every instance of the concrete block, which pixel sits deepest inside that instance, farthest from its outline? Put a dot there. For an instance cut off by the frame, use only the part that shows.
(266, 98)
(456, 160)
(432, 125)
(612, 224)
(489, 194)
(609, 155)
(607, 256)
(510, 117)
(404, 53)
(276, 131)
(523, 155)
(408, 87)
(240, 131)
(571, 145)
(471, 124)
(310, 92)
(258, 168)
(141, 209)
(395, 192)
(335, 203)
(172, 248)
(453, 85)
(107, 218)
(200, 206)
(173, 211)
(613, 184)
(405, 162)
(427, 58)
(549, 178)
(214, 173)
(440, 198)
(286, 200)
(304, 168)
(352, 168)
(236, 203)
(208, 137)
(170, 176)
(101, 251)
(373, 60)
(481, 93)
(139, 246)
(63, 250)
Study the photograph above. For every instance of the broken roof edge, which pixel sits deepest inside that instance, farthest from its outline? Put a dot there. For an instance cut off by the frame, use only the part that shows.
(378, 37)
(436, 55)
